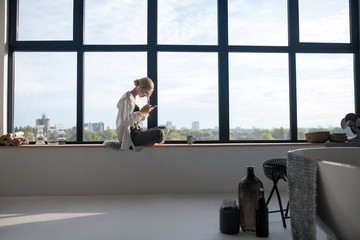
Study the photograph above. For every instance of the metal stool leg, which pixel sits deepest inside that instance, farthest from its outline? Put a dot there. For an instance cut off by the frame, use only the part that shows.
(287, 210)
(270, 196)
(275, 188)
(281, 208)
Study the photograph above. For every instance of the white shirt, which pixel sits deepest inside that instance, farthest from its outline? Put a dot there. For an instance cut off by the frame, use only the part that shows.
(125, 119)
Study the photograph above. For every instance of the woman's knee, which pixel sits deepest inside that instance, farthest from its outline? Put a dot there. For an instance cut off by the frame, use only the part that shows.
(165, 130)
(159, 136)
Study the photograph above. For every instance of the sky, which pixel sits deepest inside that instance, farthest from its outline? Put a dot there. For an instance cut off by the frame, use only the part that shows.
(187, 82)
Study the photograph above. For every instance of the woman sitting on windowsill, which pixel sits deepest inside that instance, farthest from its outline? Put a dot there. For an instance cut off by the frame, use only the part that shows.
(128, 131)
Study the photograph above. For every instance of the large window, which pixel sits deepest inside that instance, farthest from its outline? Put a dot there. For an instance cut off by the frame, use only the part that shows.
(45, 90)
(106, 78)
(324, 79)
(224, 70)
(259, 95)
(188, 90)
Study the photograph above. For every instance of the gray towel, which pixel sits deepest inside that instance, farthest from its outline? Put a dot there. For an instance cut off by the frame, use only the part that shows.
(302, 195)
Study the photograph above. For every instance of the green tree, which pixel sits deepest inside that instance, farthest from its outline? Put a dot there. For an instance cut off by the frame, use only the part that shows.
(267, 136)
(278, 133)
(108, 135)
(29, 132)
(175, 135)
(70, 135)
(91, 136)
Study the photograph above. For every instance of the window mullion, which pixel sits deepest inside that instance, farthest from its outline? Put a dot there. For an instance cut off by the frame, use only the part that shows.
(78, 41)
(293, 33)
(223, 56)
(354, 38)
(152, 58)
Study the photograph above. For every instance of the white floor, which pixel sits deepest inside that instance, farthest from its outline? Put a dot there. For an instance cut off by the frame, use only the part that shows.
(123, 217)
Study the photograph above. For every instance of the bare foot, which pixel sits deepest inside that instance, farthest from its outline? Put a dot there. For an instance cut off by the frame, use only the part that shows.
(155, 144)
(150, 145)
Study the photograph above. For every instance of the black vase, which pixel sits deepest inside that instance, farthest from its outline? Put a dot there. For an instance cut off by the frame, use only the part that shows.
(249, 189)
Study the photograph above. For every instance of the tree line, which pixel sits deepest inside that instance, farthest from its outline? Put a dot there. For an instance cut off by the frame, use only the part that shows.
(180, 134)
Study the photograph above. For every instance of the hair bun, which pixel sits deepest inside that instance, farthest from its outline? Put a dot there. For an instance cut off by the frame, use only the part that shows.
(137, 82)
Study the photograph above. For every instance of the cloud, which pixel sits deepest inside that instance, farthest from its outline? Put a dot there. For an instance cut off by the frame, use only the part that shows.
(323, 21)
(258, 23)
(44, 20)
(187, 22)
(116, 22)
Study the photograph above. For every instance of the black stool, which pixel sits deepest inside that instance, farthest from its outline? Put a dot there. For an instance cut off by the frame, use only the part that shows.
(275, 169)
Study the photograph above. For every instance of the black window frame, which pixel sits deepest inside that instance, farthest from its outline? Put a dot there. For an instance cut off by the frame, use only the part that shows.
(152, 48)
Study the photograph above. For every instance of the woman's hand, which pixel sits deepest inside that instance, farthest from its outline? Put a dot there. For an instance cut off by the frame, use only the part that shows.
(146, 109)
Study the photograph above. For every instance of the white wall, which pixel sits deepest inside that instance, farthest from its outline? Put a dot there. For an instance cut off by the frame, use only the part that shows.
(3, 65)
(100, 170)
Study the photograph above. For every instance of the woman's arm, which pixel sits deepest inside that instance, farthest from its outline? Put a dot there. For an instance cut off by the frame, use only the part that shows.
(126, 107)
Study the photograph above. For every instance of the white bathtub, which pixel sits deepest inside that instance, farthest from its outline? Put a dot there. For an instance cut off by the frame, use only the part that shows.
(337, 190)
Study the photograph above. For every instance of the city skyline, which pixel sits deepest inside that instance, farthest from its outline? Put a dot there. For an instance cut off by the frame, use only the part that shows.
(97, 132)
(102, 126)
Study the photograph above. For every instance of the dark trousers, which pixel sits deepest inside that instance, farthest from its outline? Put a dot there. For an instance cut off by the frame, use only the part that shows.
(153, 135)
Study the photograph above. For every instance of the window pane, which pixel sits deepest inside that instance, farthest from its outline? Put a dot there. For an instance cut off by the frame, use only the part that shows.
(260, 22)
(187, 22)
(115, 22)
(188, 95)
(45, 83)
(107, 77)
(324, 21)
(45, 20)
(325, 91)
(259, 96)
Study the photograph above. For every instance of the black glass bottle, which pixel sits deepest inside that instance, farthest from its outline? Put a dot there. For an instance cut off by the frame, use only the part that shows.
(262, 217)
(249, 188)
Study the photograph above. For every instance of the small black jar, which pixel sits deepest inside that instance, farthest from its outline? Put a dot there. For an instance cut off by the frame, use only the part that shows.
(229, 217)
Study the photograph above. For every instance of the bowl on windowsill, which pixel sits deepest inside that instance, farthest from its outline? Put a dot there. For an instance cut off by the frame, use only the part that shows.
(338, 137)
(317, 137)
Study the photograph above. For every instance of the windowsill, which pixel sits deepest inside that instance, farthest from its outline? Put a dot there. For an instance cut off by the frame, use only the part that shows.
(173, 145)
(239, 144)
